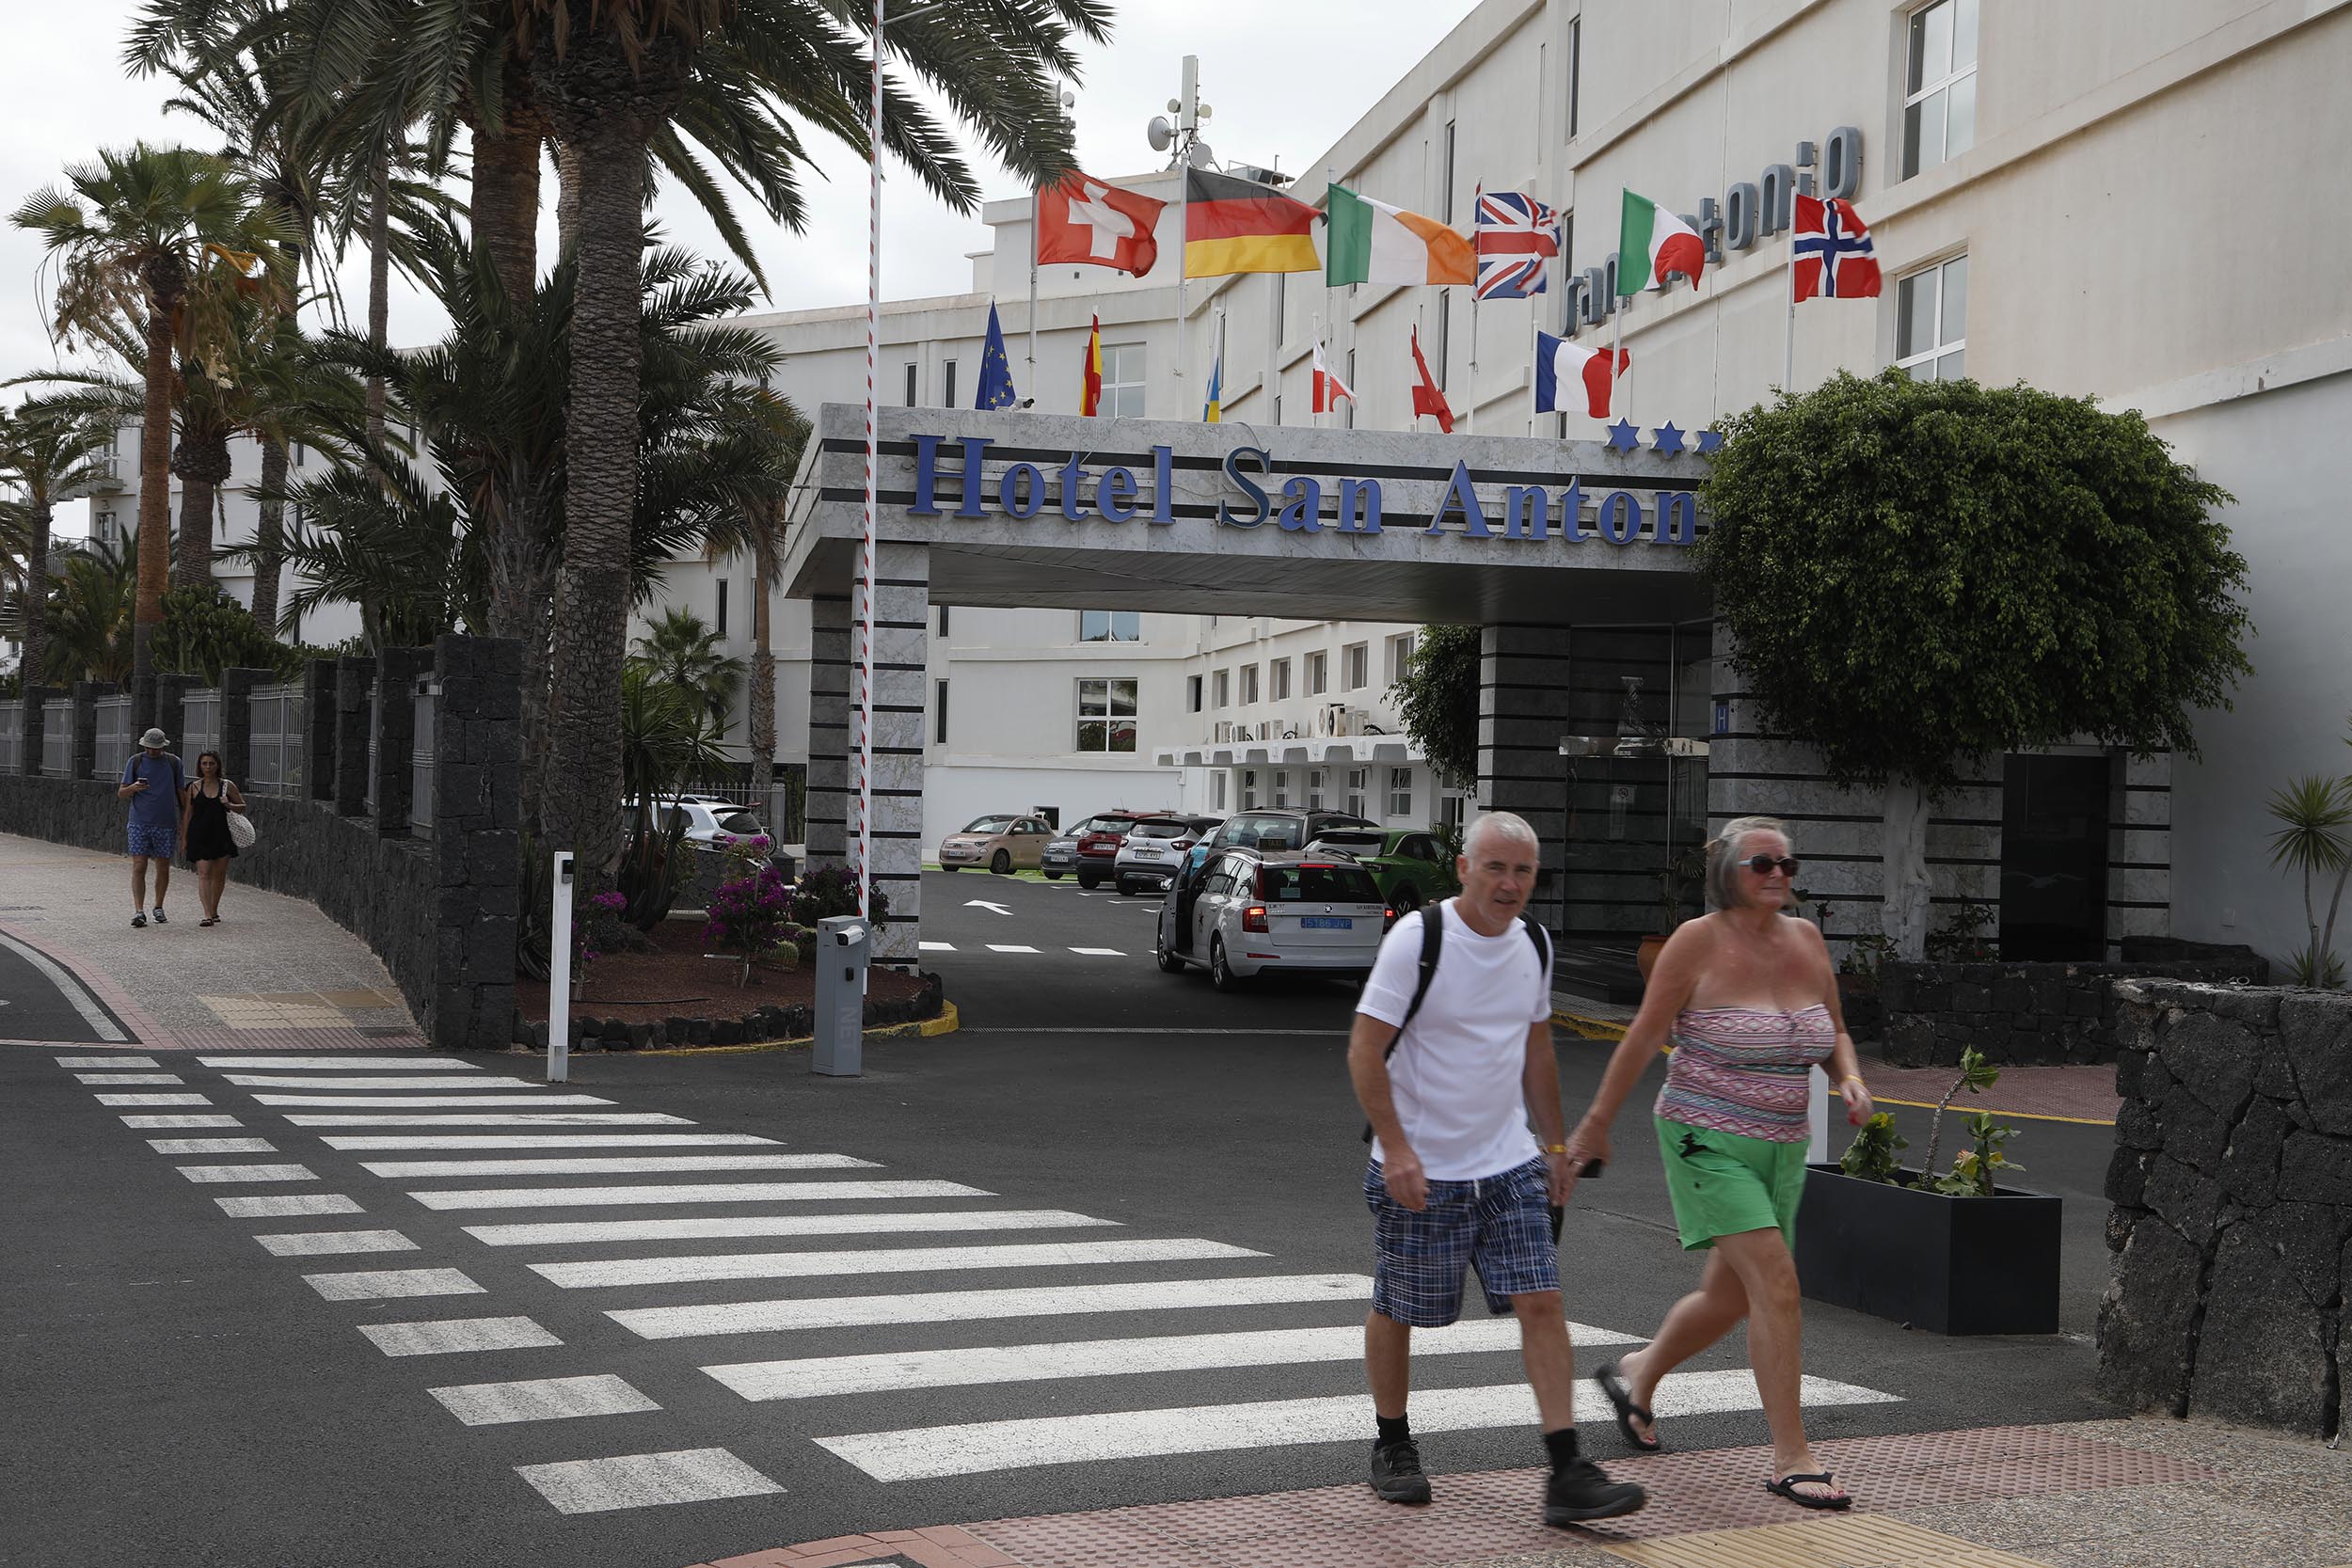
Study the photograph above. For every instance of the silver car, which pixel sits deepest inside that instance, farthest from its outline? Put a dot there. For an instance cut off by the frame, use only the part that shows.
(1153, 851)
(1251, 912)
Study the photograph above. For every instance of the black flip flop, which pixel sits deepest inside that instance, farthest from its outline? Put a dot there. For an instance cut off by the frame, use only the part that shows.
(1620, 1396)
(1787, 1487)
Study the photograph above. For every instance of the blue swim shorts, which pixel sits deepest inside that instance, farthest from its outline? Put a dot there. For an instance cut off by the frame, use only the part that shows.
(1500, 1225)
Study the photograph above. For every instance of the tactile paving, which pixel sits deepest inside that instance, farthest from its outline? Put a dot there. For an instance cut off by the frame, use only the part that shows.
(1845, 1540)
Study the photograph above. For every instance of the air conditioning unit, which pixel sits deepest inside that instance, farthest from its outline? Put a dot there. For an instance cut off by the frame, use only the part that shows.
(1358, 722)
(1331, 719)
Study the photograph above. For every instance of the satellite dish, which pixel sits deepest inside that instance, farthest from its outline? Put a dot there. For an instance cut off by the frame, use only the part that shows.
(1069, 98)
(1201, 157)
(1160, 133)
(1175, 105)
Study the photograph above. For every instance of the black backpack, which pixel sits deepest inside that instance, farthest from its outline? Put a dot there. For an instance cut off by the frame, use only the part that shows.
(1432, 944)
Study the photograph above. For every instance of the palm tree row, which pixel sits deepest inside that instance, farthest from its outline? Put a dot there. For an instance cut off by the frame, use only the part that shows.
(573, 430)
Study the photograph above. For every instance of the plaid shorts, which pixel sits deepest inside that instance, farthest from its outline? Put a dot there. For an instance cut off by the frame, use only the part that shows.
(1498, 1225)
(155, 843)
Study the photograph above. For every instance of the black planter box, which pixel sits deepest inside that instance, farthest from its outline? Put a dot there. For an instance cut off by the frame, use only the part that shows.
(1950, 1265)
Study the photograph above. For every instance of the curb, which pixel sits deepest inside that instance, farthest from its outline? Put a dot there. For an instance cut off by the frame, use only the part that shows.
(945, 1023)
(1587, 1028)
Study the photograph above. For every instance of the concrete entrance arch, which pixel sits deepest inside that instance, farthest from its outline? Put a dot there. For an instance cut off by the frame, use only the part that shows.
(1527, 538)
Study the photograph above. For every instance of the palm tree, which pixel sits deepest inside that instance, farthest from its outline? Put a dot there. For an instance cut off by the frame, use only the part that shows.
(384, 538)
(681, 649)
(616, 77)
(50, 451)
(140, 228)
(774, 434)
(89, 620)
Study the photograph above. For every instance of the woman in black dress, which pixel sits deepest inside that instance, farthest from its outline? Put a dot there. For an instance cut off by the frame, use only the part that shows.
(204, 828)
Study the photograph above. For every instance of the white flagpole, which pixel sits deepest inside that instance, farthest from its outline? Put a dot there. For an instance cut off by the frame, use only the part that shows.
(1187, 136)
(1331, 178)
(1616, 343)
(1788, 337)
(1535, 367)
(1314, 404)
(1037, 206)
(1470, 422)
(862, 605)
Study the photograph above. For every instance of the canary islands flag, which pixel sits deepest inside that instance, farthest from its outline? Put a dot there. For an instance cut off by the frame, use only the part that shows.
(1212, 408)
(996, 391)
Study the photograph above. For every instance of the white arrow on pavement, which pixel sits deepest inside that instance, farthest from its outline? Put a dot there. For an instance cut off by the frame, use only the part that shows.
(984, 904)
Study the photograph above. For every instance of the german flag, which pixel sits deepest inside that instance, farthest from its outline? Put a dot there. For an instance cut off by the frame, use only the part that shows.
(1240, 225)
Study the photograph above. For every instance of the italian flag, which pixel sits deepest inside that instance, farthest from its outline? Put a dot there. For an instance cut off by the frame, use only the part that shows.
(1372, 241)
(1665, 241)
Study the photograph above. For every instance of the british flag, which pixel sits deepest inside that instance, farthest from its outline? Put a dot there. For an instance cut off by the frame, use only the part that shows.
(1516, 235)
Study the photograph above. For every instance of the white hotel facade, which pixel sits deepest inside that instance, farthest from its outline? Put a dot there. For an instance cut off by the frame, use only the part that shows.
(2119, 198)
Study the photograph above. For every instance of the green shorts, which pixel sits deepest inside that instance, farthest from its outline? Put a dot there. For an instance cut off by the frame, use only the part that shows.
(1722, 1184)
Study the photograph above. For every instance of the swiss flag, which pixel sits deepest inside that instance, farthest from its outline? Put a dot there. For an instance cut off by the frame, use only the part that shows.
(1084, 221)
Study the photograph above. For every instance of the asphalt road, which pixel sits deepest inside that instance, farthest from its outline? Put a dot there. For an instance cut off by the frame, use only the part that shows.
(177, 1393)
(40, 1001)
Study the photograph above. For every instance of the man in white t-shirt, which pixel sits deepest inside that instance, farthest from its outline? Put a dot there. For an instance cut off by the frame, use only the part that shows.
(1456, 1177)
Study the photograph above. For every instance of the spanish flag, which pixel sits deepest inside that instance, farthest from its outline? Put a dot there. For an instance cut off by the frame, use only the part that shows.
(1240, 225)
(1090, 392)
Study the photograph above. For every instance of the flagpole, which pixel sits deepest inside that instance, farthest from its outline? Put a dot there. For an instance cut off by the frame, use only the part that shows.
(1788, 337)
(1314, 404)
(1331, 178)
(1188, 137)
(1535, 369)
(862, 608)
(1616, 354)
(1037, 210)
(1470, 425)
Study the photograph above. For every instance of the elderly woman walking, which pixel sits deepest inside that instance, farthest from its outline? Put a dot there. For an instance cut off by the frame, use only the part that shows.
(1750, 999)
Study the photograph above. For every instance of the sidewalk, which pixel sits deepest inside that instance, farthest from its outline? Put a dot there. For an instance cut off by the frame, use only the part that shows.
(2123, 1494)
(275, 975)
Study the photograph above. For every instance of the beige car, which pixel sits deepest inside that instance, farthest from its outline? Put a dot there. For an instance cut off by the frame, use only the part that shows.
(1001, 843)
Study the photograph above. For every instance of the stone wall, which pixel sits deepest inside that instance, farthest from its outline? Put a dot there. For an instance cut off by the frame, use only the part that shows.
(441, 910)
(2024, 1014)
(2232, 1189)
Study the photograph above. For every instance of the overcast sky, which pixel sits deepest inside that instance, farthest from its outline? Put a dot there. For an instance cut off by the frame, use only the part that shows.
(1284, 82)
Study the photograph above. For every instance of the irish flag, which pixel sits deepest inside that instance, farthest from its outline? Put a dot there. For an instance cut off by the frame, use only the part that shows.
(1564, 370)
(1372, 241)
(1650, 232)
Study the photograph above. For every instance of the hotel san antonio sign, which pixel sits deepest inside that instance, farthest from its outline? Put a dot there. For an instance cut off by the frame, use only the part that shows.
(951, 481)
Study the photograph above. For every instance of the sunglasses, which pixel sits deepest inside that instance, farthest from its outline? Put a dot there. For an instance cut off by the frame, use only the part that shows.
(1763, 864)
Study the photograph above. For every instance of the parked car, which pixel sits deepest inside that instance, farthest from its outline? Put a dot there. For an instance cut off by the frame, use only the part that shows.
(1278, 829)
(1256, 912)
(1000, 842)
(1409, 863)
(1153, 851)
(709, 818)
(1098, 837)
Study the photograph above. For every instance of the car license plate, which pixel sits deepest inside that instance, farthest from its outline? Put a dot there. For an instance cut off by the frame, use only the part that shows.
(1329, 923)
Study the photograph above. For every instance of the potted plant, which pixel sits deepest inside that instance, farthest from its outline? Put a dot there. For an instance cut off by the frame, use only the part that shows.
(1955, 1253)
(1675, 881)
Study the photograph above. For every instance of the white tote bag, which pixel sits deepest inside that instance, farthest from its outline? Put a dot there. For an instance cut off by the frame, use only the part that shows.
(242, 832)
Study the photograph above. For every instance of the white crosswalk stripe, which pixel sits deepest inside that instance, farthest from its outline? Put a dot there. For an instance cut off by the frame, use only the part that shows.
(330, 1081)
(373, 1064)
(645, 1479)
(936, 946)
(456, 1336)
(805, 1265)
(545, 1399)
(325, 1243)
(567, 1233)
(157, 1123)
(421, 1102)
(212, 1145)
(363, 1141)
(495, 1119)
(283, 1208)
(618, 1164)
(733, 1192)
(389, 1284)
(769, 1317)
(124, 1062)
(247, 1173)
(126, 1080)
(1100, 952)
(120, 1100)
(1008, 947)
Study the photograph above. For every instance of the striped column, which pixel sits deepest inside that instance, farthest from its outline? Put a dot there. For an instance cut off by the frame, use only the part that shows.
(829, 679)
(1523, 708)
(902, 619)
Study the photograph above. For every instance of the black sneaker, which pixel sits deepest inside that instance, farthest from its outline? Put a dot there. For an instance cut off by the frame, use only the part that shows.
(1584, 1492)
(160, 919)
(1396, 1473)
(138, 922)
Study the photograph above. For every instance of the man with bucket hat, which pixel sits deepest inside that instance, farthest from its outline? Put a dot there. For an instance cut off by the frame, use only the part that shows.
(153, 782)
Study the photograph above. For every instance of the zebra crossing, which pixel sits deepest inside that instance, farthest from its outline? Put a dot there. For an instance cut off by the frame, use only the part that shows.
(1023, 1334)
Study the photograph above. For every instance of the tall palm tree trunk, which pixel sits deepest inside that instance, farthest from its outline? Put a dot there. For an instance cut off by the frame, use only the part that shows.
(506, 170)
(165, 283)
(379, 283)
(201, 463)
(34, 624)
(567, 171)
(269, 537)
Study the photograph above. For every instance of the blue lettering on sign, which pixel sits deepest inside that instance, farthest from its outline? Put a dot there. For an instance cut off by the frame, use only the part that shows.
(1246, 485)
(1302, 505)
(1618, 522)
(1296, 505)
(1118, 489)
(1017, 501)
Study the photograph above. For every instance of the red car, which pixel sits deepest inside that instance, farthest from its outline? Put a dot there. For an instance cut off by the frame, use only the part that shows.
(1092, 847)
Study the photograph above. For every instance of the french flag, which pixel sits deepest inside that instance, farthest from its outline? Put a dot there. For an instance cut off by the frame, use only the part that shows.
(1559, 363)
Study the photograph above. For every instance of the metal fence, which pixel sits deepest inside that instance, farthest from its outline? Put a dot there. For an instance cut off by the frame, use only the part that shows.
(275, 764)
(199, 726)
(56, 737)
(376, 722)
(12, 737)
(111, 725)
(421, 758)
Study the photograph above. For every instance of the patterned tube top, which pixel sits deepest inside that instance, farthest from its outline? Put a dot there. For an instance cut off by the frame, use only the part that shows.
(1745, 1070)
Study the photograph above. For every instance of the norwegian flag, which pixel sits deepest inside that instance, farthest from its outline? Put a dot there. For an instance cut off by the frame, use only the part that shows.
(1516, 235)
(1834, 255)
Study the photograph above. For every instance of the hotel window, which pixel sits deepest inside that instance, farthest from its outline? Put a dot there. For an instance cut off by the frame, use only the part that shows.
(1277, 680)
(1281, 301)
(1192, 692)
(1355, 666)
(1249, 789)
(942, 620)
(1357, 780)
(1940, 84)
(939, 714)
(1123, 381)
(1576, 69)
(1217, 791)
(1249, 684)
(1438, 356)
(1400, 656)
(1318, 674)
(1314, 788)
(1932, 322)
(1106, 715)
(911, 374)
(1281, 787)
(947, 383)
(105, 528)
(1447, 204)
(1224, 685)
(1110, 625)
(1400, 792)
(720, 625)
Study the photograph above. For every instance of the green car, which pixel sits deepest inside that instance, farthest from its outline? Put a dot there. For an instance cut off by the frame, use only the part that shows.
(1409, 863)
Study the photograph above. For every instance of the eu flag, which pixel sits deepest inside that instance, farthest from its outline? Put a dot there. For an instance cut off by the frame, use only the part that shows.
(995, 371)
